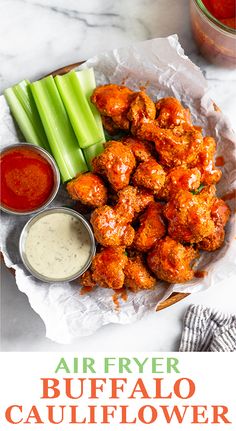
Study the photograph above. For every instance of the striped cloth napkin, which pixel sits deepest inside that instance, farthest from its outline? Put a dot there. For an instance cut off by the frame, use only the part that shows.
(208, 330)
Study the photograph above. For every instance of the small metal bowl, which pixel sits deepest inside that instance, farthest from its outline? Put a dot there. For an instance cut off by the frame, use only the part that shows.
(56, 176)
(34, 219)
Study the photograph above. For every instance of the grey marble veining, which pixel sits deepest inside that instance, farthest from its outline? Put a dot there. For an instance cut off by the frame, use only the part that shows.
(38, 36)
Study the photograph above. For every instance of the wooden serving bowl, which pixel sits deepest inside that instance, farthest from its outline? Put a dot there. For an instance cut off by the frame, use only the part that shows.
(175, 297)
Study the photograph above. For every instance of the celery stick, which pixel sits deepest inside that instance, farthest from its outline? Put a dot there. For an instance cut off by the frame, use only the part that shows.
(78, 109)
(23, 109)
(91, 152)
(87, 81)
(61, 137)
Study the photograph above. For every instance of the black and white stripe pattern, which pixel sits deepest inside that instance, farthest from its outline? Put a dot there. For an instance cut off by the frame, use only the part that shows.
(208, 330)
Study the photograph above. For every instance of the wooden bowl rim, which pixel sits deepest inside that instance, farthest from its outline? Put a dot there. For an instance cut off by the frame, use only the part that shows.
(175, 297)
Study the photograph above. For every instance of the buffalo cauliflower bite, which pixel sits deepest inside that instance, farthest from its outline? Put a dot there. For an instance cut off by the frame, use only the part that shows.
(109, 125)
(151, 227)
(220, 214)
(171, 261)
(108, 267)
(112, 224)
(171, 113)
(143, 199)
(121, 121)
(214, 241)
(89, 189)
(137, 275)
(141, 108)
(113, 101)
(132, 201)
(179, 146)
(86, 279)
(142, 150)
(110, 228)
(116, 162)
(149, 174)
(180, 178)
(206, 163)
(189, 215)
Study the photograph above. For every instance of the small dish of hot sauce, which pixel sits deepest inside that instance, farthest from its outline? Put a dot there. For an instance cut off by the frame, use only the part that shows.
(29, 179)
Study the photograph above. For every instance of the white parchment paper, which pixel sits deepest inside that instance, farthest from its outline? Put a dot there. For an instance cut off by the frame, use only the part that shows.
(160, 65)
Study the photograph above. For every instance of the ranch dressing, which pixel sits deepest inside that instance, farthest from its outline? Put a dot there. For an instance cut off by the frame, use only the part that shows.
(57, 246)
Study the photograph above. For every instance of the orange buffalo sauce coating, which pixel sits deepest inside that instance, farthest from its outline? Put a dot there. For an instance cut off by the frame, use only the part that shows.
(86, 289)
(26, 179)
(220, 161)
(200, 274)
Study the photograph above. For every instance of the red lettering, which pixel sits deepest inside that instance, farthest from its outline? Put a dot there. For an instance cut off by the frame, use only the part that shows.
(115, 387)
(95, 388)
(92, 419)
(74, 416)
(9, 412)
(124, 419)
(50, 385)
(197, 413)
(106, 413)
(179, 383)
(159, 390)
(142, 413)
(34, 415)
(140, 388)
(69, 388)
(51, 414)
(174, 412)
(217, 415)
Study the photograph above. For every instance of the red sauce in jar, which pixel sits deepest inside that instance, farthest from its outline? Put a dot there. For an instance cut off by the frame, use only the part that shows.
(223, 10)
(27, 179)
(213, 25)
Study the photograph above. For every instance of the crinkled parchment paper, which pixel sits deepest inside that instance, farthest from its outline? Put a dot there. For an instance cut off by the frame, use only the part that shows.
(161, 65)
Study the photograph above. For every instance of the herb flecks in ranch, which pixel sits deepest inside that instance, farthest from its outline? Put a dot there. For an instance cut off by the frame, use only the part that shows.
(86, 365)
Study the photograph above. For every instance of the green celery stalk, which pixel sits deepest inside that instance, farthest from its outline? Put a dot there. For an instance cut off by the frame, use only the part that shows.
(24, 110)
(87, 81)
(78, 109)
(91, 152)
(61, 137)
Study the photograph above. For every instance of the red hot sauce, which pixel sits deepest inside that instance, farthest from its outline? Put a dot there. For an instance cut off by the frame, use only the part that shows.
(214, 25)
(27, 179)
(223, 10)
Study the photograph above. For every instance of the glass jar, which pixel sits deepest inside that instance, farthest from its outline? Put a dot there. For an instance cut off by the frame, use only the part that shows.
(216, 41)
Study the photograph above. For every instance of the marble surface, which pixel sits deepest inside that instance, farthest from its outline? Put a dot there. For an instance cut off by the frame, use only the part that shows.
(37, 36)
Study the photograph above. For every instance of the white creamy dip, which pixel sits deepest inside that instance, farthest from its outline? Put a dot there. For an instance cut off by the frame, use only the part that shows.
(57, 246)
